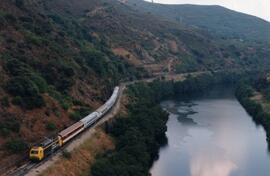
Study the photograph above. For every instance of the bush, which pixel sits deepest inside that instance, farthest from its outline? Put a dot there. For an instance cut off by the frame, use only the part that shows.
(16, 145)
(64, 100)
(26, 92)
(75, 116)
(40, 83)
(50, 126)
(34, 39)
(9, 125)
(17, 101)
(59, 74)
(66, 154)
(5, 101)
(95, 60)
(17, 68)
(22, 86)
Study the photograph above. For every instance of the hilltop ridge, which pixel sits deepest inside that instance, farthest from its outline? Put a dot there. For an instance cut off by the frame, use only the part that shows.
(213, 18)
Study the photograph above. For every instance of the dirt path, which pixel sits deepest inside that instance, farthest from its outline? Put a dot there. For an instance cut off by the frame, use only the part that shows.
(80, 139)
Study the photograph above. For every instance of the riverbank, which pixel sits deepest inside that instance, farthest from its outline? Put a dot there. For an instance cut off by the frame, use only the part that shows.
(256, 104)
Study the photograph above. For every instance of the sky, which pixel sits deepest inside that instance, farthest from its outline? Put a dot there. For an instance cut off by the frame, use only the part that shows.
(259, 8)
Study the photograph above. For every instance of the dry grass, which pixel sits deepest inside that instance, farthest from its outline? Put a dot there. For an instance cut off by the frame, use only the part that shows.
(127, 55)
(259, 98)
(81, 158)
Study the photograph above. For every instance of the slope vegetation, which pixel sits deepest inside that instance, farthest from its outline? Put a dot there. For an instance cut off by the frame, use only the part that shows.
(215, 19)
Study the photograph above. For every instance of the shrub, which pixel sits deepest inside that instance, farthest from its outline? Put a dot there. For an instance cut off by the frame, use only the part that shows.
(17, 101)
(10, 18)
(34, 39)
(75, 116)
(26, 92)
(33, 102)
(66, 154)
(16, 145)
(40, 83)
(50, 126)
(17, 68)
(65, 101)
(95, 60)
(22, 86)
(5, 101)
(9, 125)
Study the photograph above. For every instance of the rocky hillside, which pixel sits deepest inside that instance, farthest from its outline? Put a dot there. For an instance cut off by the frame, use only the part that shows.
(60, 59)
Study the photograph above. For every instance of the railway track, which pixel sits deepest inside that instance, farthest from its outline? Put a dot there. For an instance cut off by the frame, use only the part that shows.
(28, 165)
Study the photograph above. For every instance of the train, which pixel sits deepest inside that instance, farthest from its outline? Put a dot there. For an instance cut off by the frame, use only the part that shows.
(49, 146)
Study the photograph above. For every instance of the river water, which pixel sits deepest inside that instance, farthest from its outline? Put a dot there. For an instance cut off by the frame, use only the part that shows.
(212, 136)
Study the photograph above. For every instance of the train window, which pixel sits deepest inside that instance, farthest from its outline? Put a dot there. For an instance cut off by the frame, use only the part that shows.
(34, 152)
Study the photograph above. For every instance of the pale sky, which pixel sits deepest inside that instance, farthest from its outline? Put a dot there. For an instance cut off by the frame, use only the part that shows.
(260, 8)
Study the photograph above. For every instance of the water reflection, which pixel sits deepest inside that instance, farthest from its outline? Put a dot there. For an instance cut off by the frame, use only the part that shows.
(211, 162)
(212, 136)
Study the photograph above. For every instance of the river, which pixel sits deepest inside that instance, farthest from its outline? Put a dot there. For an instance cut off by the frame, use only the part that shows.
(212, 136)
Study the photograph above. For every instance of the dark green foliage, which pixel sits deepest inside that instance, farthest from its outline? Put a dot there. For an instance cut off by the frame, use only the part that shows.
(26, 85)
(9, 124)
(39, 82)
(198, 84)
(17, 101)
(243, 93)
(50, 126)
(95, 60)
(64, 100)
(75, 116)
(59, 74)
(5, 101)
(21, 86)
(16, 67)
(34, 39)
(26, 92)
(66, 154)
(16, 145)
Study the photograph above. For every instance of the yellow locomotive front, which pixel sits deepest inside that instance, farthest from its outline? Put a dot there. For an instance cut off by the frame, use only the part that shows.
(36, 153)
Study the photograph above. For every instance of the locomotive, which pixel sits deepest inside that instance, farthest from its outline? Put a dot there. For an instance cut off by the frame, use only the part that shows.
(41, 151)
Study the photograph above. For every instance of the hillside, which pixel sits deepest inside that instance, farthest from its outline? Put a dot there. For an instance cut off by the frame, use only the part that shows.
(53, 72)
(60, 59)
(155, 43)
(215, 19)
